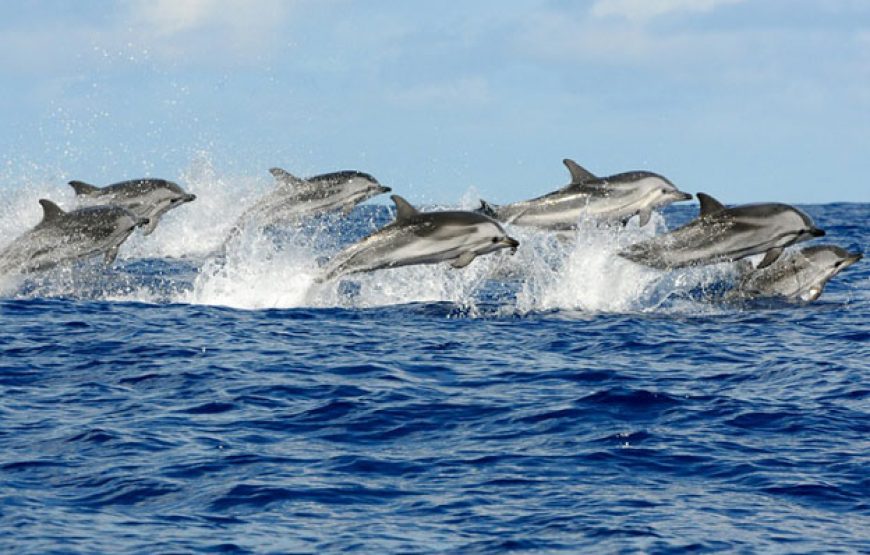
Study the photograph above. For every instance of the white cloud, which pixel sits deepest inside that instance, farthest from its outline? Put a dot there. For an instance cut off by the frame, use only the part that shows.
(211, 33)
(642, 10)
(796, 66)
(195, 29)
(463, 91)
(245, 17)
(690, 51)
(172, 16)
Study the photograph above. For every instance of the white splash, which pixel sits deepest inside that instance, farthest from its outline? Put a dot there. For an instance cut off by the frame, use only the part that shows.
(255, 269)
(198, 228)
(21, 210)
(255, 272)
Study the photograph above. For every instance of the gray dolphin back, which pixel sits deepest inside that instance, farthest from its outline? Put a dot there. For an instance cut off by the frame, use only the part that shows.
(62, 237)
(721, 234)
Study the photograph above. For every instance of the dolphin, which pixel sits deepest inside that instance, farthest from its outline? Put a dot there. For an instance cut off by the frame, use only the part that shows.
(802, 274)
(147, 198)
(422, 238)
(726, 234)
(603, 199)
(65, 236)
(295, 199)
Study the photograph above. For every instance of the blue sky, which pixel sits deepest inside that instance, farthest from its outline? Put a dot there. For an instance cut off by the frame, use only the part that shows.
(747, 100)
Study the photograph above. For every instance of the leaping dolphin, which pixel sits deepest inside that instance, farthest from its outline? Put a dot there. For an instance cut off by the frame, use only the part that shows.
(147, 198)
(726, 234)
(295, 198)
(802, 274)
(602, 199)
(422, 238)
(65, 236)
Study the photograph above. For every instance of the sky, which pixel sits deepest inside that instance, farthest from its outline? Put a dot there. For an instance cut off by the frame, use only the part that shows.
(748, 100)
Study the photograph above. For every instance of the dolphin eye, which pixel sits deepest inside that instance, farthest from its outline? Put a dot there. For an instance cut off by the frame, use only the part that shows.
(495, 239)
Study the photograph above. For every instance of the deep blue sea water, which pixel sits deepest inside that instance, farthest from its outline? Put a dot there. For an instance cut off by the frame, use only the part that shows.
(555, 402)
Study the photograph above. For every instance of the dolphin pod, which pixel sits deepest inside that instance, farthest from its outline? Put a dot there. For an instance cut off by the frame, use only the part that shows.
(105, 218)
(108, 215)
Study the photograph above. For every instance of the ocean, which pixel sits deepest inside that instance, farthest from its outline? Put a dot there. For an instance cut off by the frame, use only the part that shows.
(561, 400)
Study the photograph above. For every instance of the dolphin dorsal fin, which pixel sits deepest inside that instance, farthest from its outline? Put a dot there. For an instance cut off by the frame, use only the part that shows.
(488, 210)
(404, 210)
(283, 176)
(579, 174)
(82, 188)
(709, 205)
(50, 211)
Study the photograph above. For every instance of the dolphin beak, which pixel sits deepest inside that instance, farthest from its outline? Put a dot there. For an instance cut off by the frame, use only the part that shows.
(853, 257)
(189, 198)
(382, 189)
(510, 242)
(816, 232)
(683, 196)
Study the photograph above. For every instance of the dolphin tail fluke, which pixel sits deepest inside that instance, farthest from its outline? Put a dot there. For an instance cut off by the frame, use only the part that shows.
(83, 189)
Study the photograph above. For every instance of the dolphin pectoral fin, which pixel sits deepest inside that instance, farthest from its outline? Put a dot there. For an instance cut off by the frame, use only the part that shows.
(769, 258)
(82, 188)
(152, 225)
(644, 216)
(463, 259)
(110, 256)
